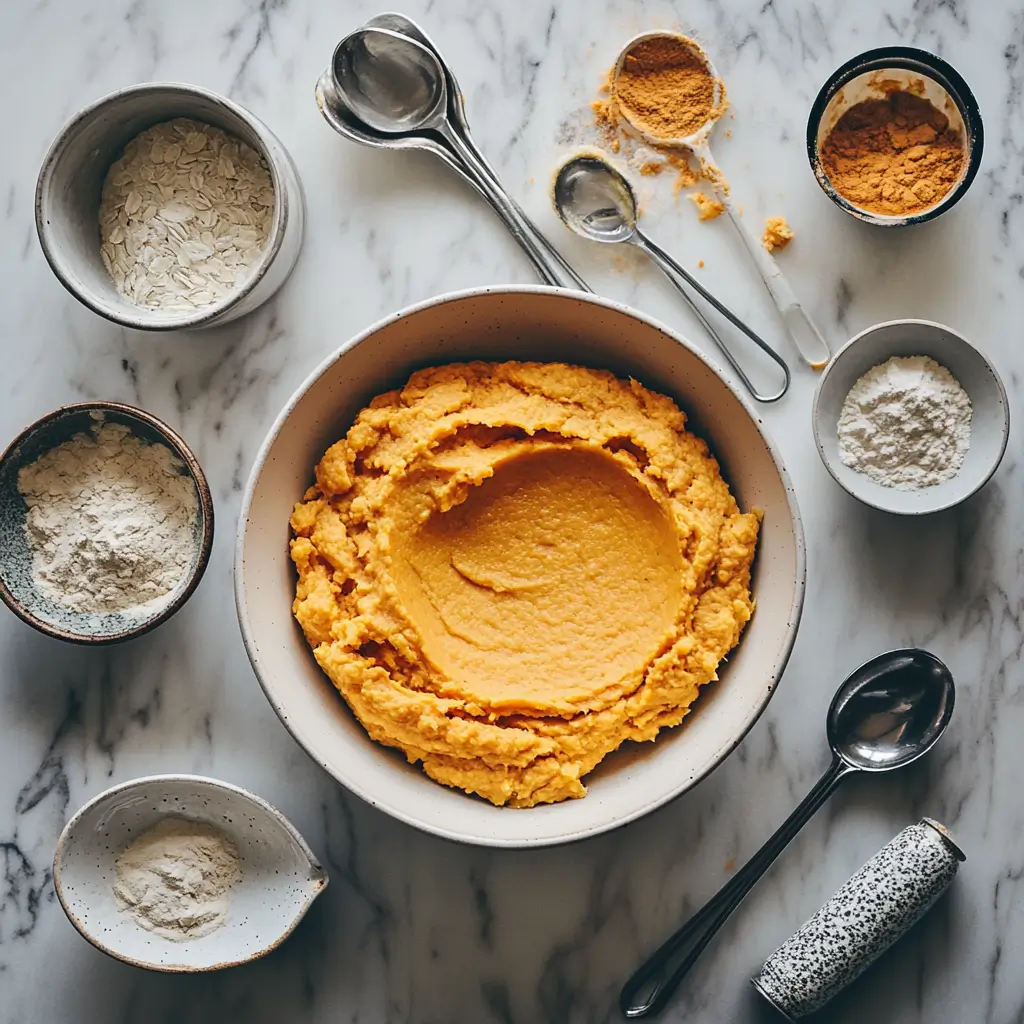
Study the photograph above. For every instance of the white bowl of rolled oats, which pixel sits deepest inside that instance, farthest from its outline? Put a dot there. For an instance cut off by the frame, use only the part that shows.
(167, 207)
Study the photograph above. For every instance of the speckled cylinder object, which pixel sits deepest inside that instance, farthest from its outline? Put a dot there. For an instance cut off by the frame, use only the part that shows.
(878, 905)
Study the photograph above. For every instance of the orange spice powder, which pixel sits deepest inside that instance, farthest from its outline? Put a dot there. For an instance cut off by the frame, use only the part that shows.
(894, 156)
(665, 88)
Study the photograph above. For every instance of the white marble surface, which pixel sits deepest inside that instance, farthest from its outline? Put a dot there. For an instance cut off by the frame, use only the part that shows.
(414, 929)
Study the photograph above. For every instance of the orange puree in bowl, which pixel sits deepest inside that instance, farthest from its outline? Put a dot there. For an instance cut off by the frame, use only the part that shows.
(508, 570)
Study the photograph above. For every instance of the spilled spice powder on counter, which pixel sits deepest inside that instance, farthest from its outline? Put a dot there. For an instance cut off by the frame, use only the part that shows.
(894, 156)
(665, 88)
(777, 234)
(707, 208)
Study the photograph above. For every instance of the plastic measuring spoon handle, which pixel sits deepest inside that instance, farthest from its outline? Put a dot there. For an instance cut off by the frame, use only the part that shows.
(550, 265)
(679, 275)
(650, 988)
(806, 336)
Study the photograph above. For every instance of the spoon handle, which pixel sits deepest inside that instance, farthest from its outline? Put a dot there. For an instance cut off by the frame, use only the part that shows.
(808, 339)
(676, 273)
(462, 130)
(649, 989)
(550, 264)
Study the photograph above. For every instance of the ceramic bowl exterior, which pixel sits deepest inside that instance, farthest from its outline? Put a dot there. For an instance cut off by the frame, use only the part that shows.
(71, 179)
(529, 324)
(280, 875)
(990, 421)
(17, 589)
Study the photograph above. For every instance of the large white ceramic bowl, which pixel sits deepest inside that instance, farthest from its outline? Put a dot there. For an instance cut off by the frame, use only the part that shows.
(493, 324)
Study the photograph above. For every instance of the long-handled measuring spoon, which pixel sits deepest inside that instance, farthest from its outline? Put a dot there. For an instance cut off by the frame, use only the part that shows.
(395, 85)
(806, 336)
(887, 714)
(597, 202)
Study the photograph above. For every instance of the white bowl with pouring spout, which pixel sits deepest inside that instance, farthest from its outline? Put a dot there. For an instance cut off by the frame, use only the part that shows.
(280, 875)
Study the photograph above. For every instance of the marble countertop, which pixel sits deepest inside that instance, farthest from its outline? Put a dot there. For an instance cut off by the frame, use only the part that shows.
(413, 928)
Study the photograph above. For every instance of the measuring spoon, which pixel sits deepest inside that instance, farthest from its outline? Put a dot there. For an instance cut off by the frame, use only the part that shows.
(806, 336)
(597, 202)
(396, 85)
(886, 715)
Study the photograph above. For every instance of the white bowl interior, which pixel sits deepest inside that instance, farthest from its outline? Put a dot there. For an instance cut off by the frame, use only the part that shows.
(877, 84)
(279, 878)
(523, 324)
(72, 179)
(990, 420)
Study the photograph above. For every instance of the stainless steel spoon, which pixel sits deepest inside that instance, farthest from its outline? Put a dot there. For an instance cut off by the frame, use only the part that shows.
(338, 115)
(887, 714)
(808, 339)
(396, 86)
(597, 202)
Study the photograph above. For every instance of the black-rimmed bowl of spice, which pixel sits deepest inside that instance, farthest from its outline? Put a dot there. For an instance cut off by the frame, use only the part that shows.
(106, 523)
(895, 136)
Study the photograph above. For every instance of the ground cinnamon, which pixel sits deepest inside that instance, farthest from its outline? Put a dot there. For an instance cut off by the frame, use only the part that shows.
(895, 156)
(665, 88)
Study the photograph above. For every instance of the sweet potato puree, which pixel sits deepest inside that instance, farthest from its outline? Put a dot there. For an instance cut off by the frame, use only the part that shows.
(508, 570)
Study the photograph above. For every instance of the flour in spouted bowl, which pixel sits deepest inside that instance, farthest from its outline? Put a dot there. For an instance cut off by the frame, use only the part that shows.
(176, 878)
(184, 217)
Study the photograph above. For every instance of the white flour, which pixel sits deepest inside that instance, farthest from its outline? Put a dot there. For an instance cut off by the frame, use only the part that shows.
(176, 878)
(906, 424)
(110, 521)
(184, 216)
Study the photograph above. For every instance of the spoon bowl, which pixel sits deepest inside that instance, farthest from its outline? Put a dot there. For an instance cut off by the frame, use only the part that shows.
(388, 80)
(697, 138)
(595, 201)
(891, 711)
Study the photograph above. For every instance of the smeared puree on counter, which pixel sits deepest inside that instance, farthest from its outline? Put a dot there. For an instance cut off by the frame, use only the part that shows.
(510, 569)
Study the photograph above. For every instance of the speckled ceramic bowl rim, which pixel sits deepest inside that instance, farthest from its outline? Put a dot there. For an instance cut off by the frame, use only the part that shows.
(153, 322)
(827, 462)
(195, 780)
(182, 450)
(908, 58)
(775, 673)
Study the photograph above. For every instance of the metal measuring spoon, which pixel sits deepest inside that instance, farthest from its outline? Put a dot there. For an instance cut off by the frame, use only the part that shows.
(396, 85)
(887, 714)
(805, 334)
(460, 122)
(338, 115)
(597, 202)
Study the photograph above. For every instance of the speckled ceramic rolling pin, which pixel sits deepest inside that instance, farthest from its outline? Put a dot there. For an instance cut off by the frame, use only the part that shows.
(883, 901)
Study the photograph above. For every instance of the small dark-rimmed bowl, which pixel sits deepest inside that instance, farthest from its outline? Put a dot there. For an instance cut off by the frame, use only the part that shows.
(941, 84)
(16, 587)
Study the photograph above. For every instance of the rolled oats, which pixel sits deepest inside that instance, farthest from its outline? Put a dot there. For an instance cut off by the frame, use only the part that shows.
(184, 216)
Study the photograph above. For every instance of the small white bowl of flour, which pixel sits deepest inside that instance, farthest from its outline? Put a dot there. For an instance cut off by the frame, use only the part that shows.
(910, 418)
(184, 873)
(106, 523)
